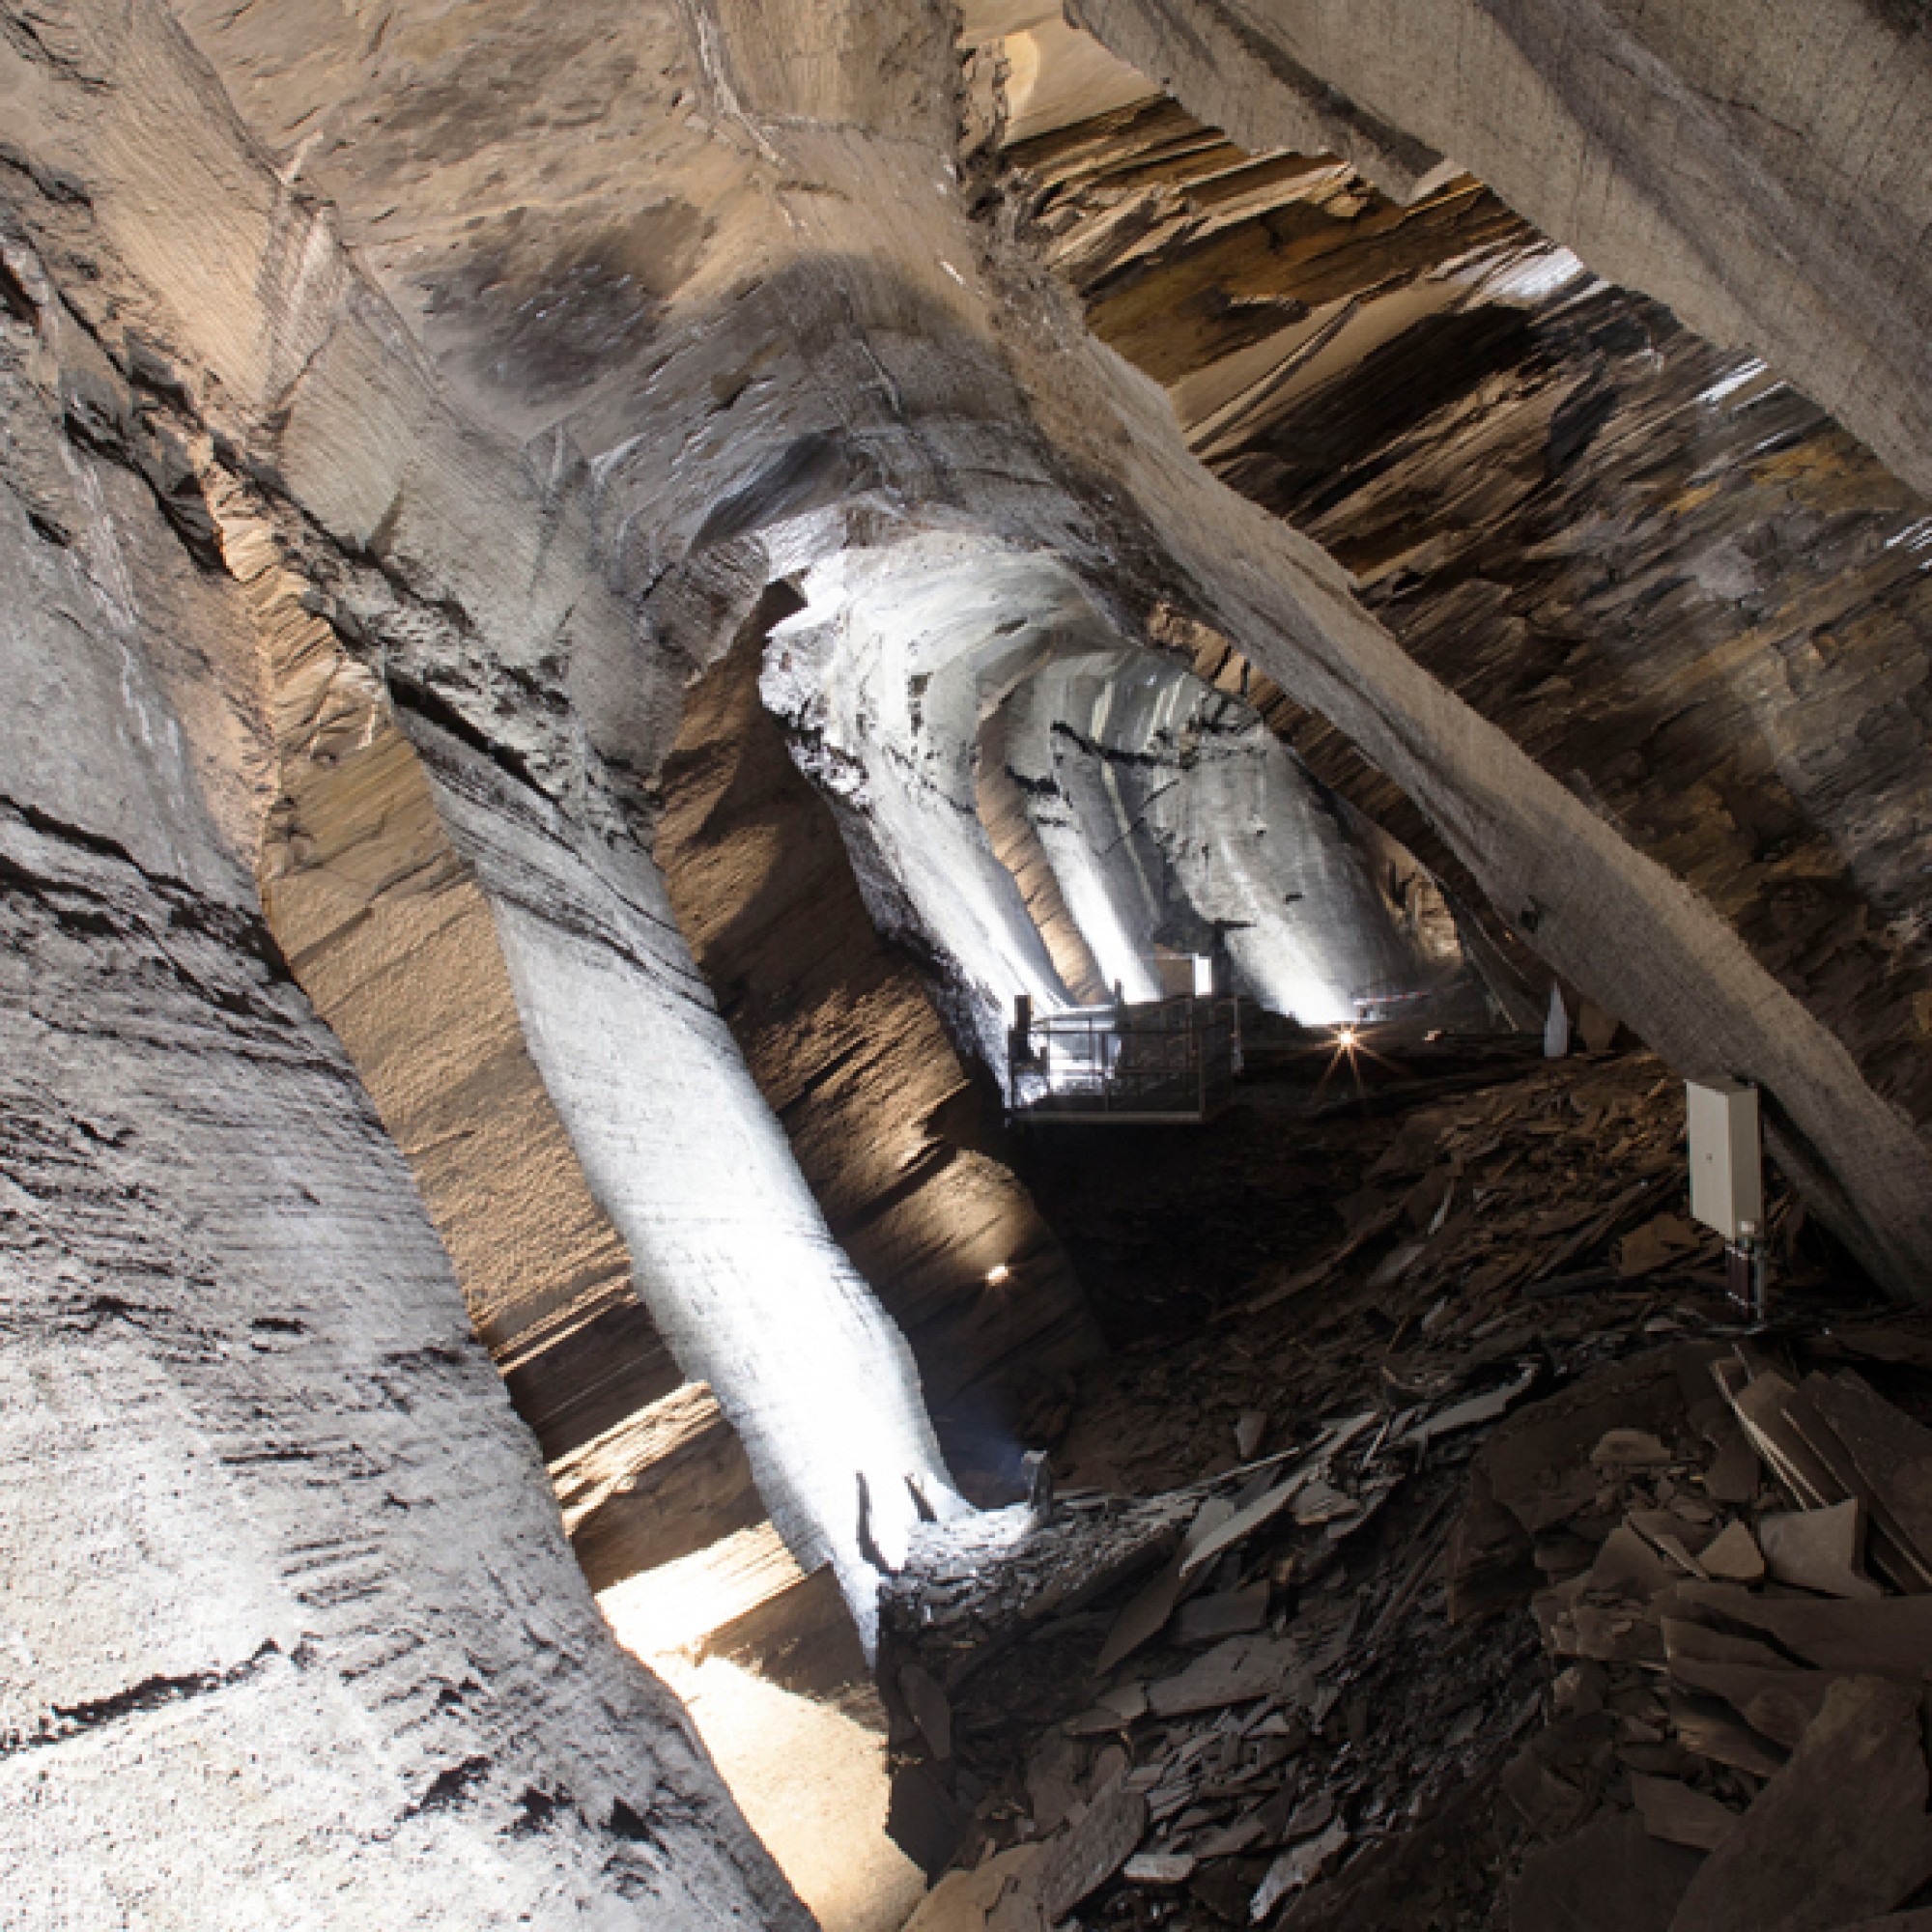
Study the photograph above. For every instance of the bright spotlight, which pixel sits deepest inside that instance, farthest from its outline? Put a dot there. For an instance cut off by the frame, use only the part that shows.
(998, 1277)
(1345, 1038)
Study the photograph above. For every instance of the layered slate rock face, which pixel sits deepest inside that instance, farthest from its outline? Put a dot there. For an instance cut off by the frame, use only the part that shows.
(289, 1614)
(1767, 176)
(511, 683)
(388, 930)
(1696, 599)
(389, 934)
(287, 1364)
(663, 306)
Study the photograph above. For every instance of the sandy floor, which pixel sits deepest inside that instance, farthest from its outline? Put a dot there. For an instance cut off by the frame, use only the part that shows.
(812, 1782)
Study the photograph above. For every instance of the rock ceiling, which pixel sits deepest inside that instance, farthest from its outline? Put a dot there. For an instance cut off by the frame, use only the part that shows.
(604, 546)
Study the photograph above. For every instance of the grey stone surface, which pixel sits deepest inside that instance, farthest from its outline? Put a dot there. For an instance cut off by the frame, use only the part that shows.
(729, 1250)
(644, 309)
(289, 1632)
(1765, 172)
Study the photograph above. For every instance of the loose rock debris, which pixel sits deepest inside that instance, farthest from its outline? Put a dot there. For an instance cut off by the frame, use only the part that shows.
(1625, 1625)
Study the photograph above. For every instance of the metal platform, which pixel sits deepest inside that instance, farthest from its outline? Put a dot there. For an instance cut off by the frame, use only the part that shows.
(1163, 1063)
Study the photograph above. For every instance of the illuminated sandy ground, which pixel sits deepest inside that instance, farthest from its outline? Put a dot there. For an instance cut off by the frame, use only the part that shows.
(811, 1779)
(812, 1782)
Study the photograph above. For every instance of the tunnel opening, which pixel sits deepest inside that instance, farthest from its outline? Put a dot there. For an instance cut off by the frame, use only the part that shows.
(865, 1033)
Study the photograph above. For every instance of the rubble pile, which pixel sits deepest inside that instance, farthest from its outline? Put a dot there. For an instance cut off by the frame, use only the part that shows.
(1559, 1599)
(1177, 1685)
(1540, 1215)
(1731, 1543)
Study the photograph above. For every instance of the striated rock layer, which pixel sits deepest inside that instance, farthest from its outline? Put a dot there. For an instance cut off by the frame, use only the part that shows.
(389, 573)
(291, 1629)
(1766, 174)
(472, 584)
(1172, 814)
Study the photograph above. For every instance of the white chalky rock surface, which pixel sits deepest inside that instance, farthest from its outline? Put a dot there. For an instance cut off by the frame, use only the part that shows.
(1149, 788)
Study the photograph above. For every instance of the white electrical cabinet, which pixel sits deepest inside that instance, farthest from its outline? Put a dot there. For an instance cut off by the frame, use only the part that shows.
(1727, 1163)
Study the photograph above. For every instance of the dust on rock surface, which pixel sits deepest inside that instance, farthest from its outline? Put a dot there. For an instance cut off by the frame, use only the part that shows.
(1437, 1561)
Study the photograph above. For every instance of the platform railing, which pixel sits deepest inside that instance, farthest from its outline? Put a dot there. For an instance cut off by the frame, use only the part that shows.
(1166, 1059)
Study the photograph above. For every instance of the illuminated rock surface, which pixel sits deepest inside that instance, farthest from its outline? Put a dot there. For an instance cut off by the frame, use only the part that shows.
(291, 1625)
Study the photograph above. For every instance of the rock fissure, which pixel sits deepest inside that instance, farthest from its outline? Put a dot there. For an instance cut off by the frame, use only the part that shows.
(65, 1721)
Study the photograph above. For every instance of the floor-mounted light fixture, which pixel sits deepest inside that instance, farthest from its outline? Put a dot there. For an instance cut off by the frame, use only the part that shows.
(1727, 1180)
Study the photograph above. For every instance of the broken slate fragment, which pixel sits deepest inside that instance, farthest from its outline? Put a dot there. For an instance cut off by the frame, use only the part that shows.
(1101, 1841)
(1818, 1550)
(1627, 1566)
(1664, 1527)
(1160, 1867)
(1734, 1557)
(1761, 1404)
(1052, 1782)
(1674, 1811)
(1242, 1668)
(1230, 1840)
(1891, 1457)
(1208, 1619)
(1296, 1868)
(1777, 1704)
(1146, 1615)
(1112, 1711)
(1475, 1411)
(962, 1900)
(931, 1710)
(923, 1819)
(1321, 1502)
(1889, 1638)
(1201, 1550)
(1839, 1834)
(1612, 1876)
(1630, 1449)
(1735, 1472)
(1610, 1634)
(1710, 1730)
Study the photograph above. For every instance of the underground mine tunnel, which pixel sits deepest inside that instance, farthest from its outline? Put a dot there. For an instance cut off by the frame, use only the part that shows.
(967, 967)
